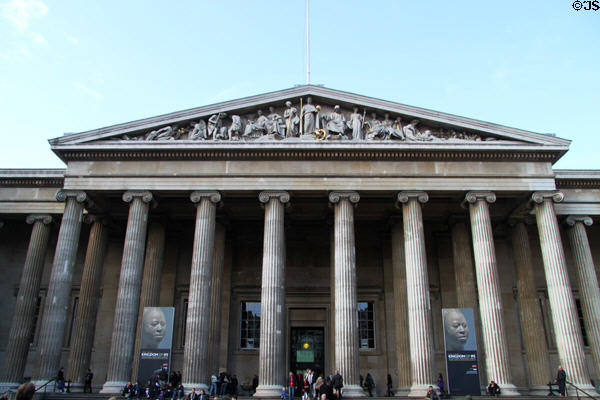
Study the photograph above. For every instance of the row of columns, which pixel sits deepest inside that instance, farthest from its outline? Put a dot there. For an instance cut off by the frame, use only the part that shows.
(408, 243)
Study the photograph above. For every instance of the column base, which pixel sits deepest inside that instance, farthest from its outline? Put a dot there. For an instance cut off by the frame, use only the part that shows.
(420, 390)
(6, 386)
(539, 390)
(188, 386)
(268, 391)
(112, 387)
(353, 391)
(591, 390)
(508, 389)
(402, 391)
(76, 387)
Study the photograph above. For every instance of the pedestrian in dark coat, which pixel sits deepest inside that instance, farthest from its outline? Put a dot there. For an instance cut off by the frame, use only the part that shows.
(561, 381)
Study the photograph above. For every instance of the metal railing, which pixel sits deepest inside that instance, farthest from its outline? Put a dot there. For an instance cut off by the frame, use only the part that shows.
(578, 389)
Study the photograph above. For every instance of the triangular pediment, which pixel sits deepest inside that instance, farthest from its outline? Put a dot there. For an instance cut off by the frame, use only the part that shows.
(266, 117)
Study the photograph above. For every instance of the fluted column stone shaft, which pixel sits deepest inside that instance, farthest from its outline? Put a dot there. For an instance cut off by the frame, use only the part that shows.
(21, 327)
(400, 309)
(345, 310)
(218, 275)
(195, 354)
(89, 296)
(464, 271)
(128, 295)
(150, 292)
(589, 293)
(271, 362)
(532, 324)
(54, 316)
(490, 298)
(569, 340)
(417, 289)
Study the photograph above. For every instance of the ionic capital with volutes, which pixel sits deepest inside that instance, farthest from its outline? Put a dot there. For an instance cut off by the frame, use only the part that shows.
(405, 196)
(212, 195)
(145, 195)
(93, 218)
(351, 196)
(44, 218)
(282, 195)
(571, 220)
(79, 195)
(474, 196)
(554, 195)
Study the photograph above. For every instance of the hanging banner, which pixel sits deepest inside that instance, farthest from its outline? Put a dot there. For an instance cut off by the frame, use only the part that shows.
(460, 342)
(155, 343)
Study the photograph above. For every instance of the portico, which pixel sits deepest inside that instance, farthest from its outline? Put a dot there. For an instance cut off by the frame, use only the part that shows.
(374, 236)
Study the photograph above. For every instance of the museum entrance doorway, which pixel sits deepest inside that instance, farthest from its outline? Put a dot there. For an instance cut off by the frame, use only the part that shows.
(307, 347)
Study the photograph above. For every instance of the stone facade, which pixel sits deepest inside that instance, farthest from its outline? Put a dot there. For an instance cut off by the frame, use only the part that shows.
(309, 224)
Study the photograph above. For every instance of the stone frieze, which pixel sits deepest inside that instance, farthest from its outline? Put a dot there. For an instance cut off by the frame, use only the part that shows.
(306, 122)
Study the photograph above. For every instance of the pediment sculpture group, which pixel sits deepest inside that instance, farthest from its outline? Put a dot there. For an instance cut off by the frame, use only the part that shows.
(311, 123)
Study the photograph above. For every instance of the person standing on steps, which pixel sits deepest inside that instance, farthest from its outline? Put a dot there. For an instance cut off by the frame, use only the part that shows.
(561, 381)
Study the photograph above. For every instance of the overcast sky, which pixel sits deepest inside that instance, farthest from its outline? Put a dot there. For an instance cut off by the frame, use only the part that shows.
(71, 66)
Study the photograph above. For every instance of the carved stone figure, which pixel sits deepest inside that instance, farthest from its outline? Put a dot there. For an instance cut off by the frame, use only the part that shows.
(309, 117)
(411, 132)
(198, 131)
(166, 133)
(275, 125)
(356, 124)
(375, 129)
(258, 127)
(215, 125)
(395, 131)
(235, 129)
(335, 124)
(292, 121)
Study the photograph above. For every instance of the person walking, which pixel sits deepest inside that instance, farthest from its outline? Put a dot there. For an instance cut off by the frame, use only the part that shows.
(338, 384)
(561, 381)
(369, 384)
(291, 385)
(88, 381)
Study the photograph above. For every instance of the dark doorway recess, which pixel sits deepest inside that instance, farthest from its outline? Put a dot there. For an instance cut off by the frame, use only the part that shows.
(307, 349)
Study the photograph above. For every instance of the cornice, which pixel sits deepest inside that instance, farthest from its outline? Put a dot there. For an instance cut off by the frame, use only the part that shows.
(185, 150)
(32, 177)
(577, 179)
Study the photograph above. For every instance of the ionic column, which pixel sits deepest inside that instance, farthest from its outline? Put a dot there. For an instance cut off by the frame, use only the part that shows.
(218, 275)
(150, 292)
(587, 281)
(464, 271)
(417, 290)
(490, 299)
(569, 340)
(85, 321)
(195, 355)
(24, 314)
(128, 296)
(345, 311)
(400, 309)
(54, 316)
(532, 324)
(271, 363)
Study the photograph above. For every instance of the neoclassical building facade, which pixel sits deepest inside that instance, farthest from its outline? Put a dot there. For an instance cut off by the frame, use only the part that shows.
(304, 216)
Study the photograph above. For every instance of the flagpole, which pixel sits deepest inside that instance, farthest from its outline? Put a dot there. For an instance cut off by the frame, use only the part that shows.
(307, 46)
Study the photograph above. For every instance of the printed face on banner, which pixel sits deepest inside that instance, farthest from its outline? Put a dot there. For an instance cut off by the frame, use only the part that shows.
(459, 332)
(157, 328)
(156, 338)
